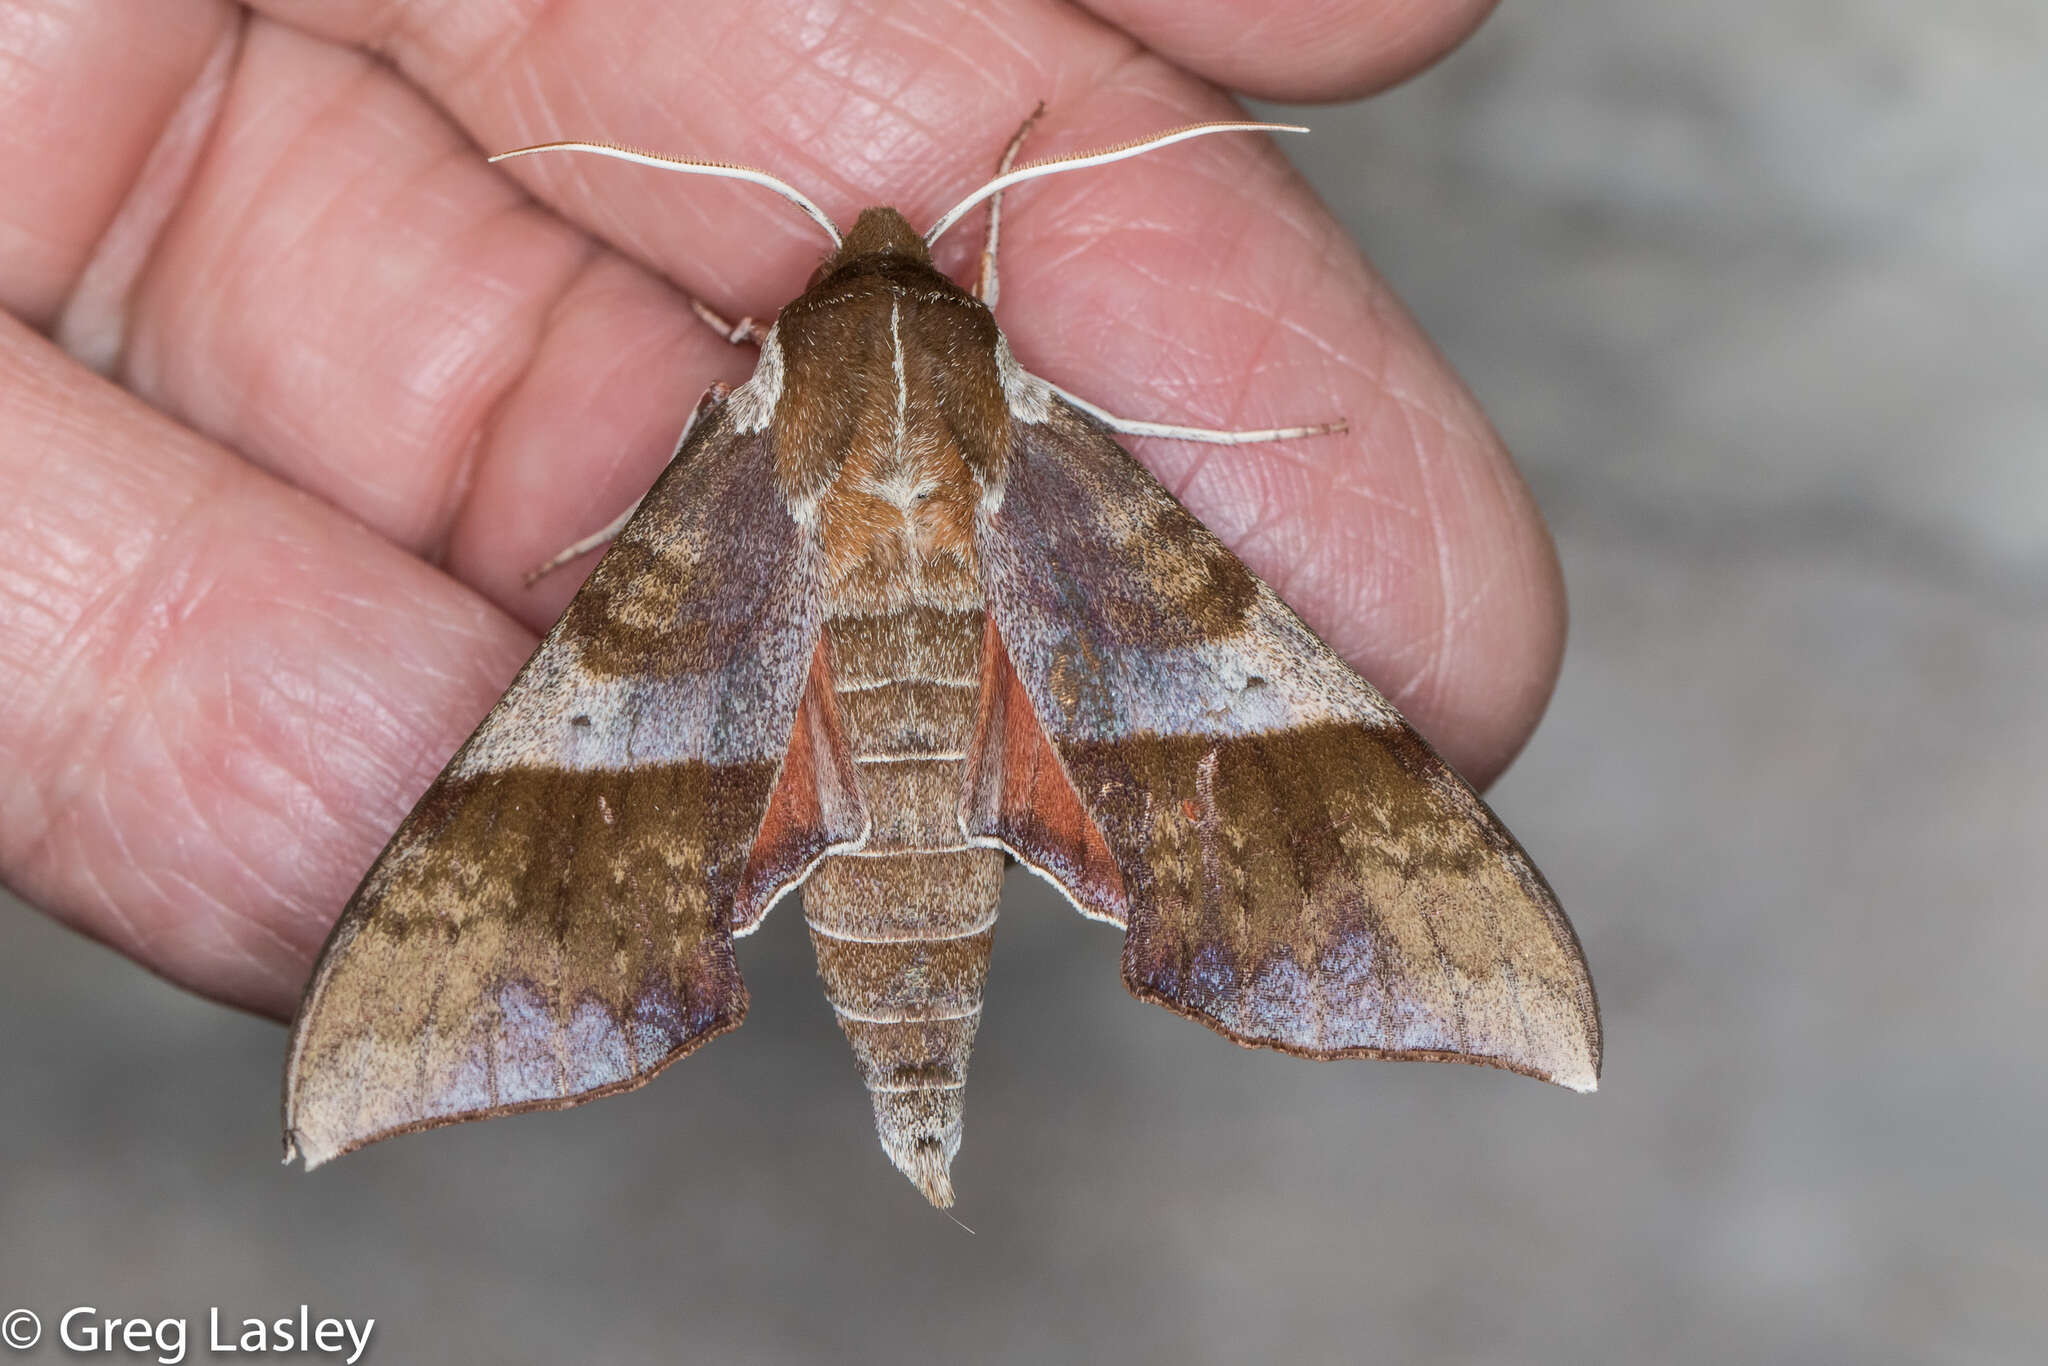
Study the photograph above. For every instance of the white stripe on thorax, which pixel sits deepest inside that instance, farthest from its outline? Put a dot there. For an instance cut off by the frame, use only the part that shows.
(902, 384)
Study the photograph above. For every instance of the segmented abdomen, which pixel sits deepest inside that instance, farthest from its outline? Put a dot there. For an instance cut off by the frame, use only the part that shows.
(903, 929)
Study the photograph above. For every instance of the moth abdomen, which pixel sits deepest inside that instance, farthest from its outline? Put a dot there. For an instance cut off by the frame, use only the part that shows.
(903, 943)
(903, 928)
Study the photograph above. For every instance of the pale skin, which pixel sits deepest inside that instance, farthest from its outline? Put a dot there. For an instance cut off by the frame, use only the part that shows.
(295, 389)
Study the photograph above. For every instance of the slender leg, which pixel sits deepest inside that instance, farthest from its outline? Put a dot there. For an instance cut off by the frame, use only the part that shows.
(744, 332)
(1131, 426)
(587, 544)
(713, 396)
(985, 287)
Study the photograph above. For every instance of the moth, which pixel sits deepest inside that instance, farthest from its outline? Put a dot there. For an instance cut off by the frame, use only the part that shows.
(896, 613)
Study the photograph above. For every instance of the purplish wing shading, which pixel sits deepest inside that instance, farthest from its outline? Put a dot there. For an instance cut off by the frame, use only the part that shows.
(1294, 865)
(554, 920)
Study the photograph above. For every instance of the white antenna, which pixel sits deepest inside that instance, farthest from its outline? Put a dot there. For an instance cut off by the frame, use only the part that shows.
(1054, 165)
(717, 168)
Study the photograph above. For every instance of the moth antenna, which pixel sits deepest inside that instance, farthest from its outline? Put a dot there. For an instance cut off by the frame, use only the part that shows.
(1054, 165)
(714, 168)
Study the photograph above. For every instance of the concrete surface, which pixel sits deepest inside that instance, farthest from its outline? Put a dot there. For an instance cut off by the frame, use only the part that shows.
(1758, 297)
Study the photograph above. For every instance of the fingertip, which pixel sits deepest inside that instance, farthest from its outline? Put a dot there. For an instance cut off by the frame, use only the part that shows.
(1504, 623)
(1312, 50)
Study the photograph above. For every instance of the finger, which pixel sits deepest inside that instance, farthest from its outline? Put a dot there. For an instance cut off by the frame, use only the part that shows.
(1183, 276)
(1299, 49)
(87, 94)
(221, 694)
(348, 292)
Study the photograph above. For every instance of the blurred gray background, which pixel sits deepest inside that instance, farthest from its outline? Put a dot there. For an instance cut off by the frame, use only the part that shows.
(1757, 295)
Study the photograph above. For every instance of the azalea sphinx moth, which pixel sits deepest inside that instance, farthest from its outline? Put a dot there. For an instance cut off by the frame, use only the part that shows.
(895, 613)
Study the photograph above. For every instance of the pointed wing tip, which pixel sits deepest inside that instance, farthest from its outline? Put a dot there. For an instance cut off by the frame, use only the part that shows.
(1581, 1073)
(310, 1155)
(1585, 1083)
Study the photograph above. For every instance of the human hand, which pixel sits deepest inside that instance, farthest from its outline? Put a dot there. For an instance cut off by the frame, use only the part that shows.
(262, 572)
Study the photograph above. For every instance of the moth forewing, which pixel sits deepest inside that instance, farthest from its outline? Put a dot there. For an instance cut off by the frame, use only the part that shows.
(898, 608)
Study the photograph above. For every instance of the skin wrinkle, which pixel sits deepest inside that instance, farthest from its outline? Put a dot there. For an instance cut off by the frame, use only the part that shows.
(18, 602)
(535, 113)
(1328, 247)
(1261, 546)
(166, 545)
(811, 124)
(1477, 594)
(846, 180)
(207, 304)
(455, 442)
(477, 359)
(1428, 681)
(213, 302)
(345, 103)
(298, 752)
(38, 235)
(610, 227)
(92, 319)
(1306, 52)
(40, 593)
(599, 283)
(408, 39)
(461, 482)
(224, 835)
(1197, 457)
(137, 599)
(115, 908)
(29, 32)
(1271, 318)
(1515, 496)
(976, 14)
(225, 948)
(459, 365)
(145, 723)
(394, 20)
(911, 72)
(706, 210)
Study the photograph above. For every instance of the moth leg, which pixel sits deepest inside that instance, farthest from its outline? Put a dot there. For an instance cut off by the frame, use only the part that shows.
(1131, 426)
(745, 332)
(587, 544)
(713, 396)
(985, 285)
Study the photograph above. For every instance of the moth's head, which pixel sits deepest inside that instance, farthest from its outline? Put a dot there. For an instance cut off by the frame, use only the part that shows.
(878, 232)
